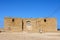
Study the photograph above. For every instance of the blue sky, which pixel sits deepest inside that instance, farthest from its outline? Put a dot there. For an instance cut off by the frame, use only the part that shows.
(29, 8)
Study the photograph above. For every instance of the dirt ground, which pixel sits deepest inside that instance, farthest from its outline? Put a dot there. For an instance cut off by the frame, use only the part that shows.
(29, 36)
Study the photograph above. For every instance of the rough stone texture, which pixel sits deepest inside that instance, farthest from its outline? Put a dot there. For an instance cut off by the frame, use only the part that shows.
(15, 26)
(38, 25)
(31, 24)
(33, 27)
(49, 26)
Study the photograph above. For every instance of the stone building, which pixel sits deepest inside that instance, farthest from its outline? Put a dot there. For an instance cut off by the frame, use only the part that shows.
(30, 24)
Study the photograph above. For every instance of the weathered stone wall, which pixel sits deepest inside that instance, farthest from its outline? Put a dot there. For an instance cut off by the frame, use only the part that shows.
(41, 25)
(13, 24)
(49, 25)
(32, 27)
(30, 24)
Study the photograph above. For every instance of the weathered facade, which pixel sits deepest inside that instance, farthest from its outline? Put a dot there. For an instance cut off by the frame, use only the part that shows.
(13, 24)
(30, 24)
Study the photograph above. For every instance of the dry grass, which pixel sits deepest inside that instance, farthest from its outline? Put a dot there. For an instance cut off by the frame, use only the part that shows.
(29, 36)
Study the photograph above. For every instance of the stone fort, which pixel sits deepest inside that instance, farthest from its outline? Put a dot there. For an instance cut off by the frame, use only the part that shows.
(30, 24)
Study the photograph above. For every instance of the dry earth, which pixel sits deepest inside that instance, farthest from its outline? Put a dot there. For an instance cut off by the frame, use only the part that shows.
(29, 36)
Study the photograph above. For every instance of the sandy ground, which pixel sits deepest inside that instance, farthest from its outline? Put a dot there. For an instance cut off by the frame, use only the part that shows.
(29, 36)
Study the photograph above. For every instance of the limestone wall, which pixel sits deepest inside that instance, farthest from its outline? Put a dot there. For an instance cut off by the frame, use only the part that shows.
(30, 24)
(13, 24)
(49, 25)
(41, 25)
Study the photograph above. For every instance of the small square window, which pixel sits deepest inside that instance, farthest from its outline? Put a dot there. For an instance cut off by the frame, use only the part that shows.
(12, 20)
(44, 20)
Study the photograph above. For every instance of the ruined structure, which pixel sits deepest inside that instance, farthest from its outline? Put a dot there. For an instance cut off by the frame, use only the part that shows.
(30, 24)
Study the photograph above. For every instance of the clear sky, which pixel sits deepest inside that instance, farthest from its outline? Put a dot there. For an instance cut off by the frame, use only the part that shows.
(30, 8)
